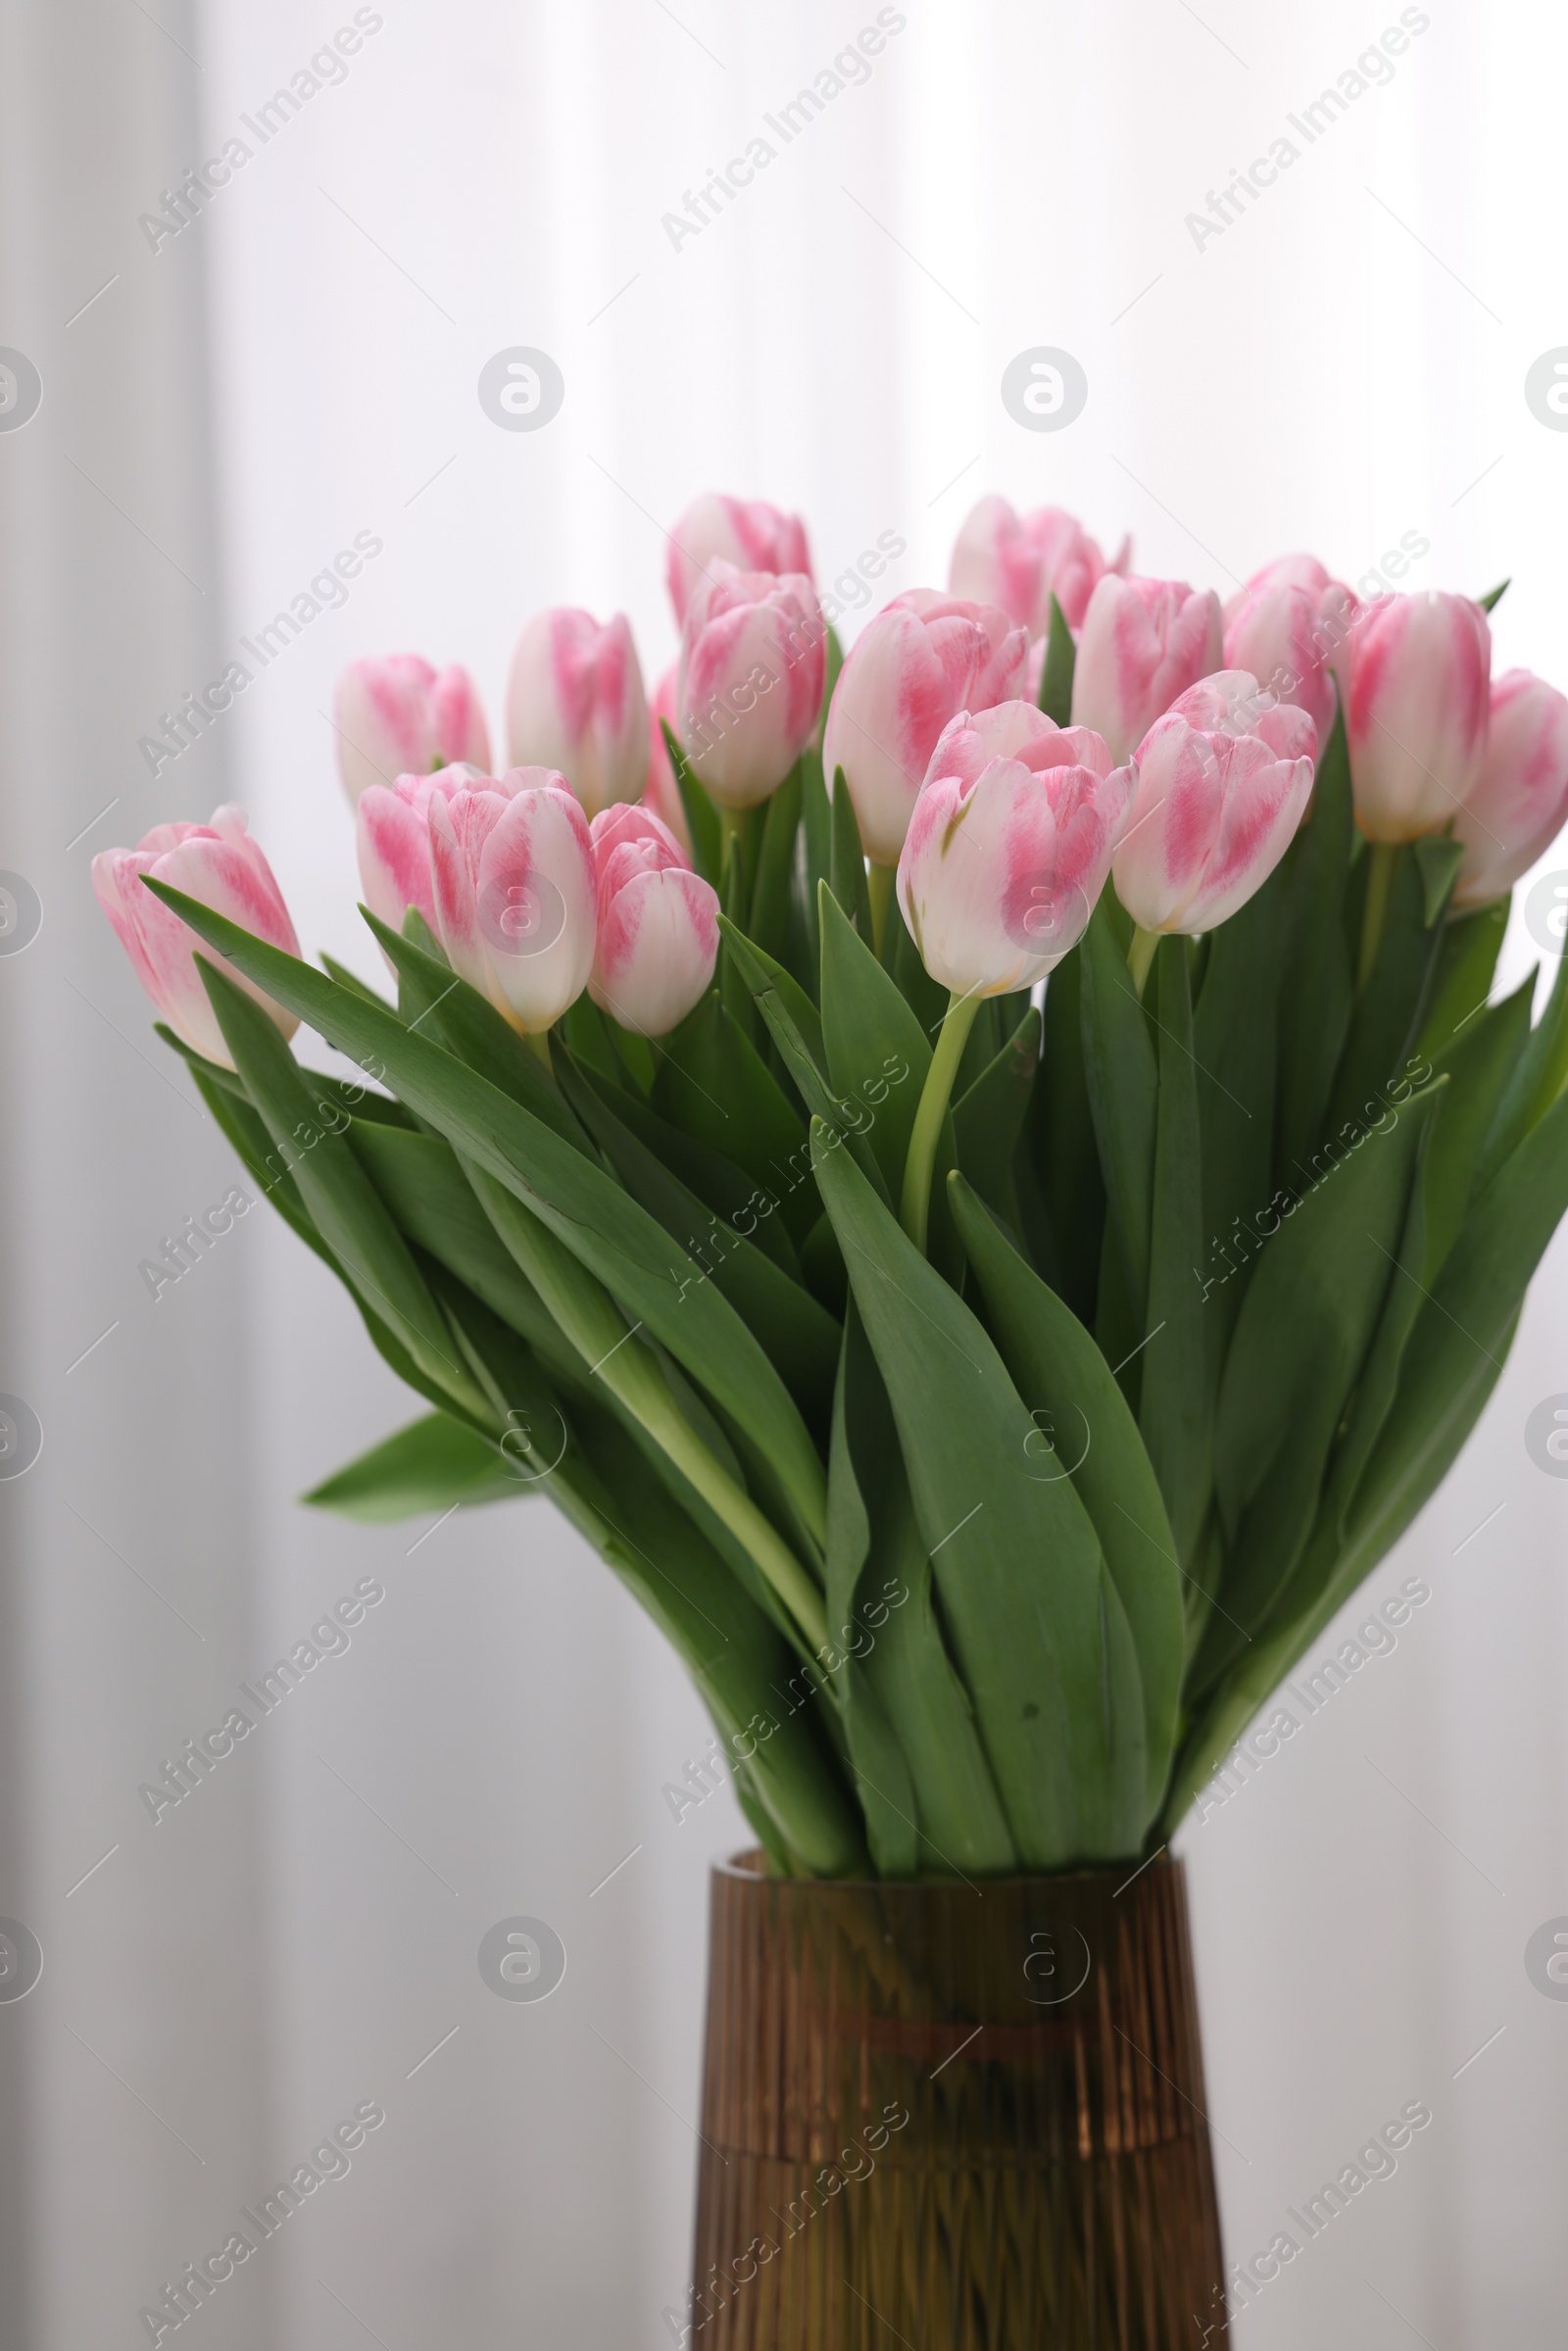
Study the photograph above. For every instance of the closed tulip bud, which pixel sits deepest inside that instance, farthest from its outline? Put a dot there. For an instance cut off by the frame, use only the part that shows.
(660, 791)
(1143, 641)
(1520, 802)
(399, 716)
(752, 662)
(746, 532)
(1299, 571)
(1276, 635)
(923, 659)
(220, 864)
(512, 869)
(1223, 780)
(1008, 847)
(575, 702)
(392, 835)
(1021, 562)
(1420, 668)
(657, 938)
(1272, 639)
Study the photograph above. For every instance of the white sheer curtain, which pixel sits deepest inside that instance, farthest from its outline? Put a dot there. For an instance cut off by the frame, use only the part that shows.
(1341, 366)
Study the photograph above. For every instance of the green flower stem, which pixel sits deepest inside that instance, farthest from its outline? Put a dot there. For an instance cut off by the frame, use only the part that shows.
(630, 1370)
(1141, 955)
(1385, 859)
(538, 1043)
(879, 887)
(956, 1023)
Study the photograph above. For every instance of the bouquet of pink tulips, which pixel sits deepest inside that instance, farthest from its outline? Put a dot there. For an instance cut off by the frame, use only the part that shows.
(983, 1177)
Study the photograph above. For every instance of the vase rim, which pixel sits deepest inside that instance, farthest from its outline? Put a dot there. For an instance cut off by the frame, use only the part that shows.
(750, 1867)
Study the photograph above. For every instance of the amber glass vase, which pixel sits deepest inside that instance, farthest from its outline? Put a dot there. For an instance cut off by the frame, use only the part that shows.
(962, 2118)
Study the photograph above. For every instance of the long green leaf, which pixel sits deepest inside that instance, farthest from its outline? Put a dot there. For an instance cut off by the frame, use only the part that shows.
(1533, 1084)
(1301, 1341)
(610, 1235)
(869, 1034)
(1057, 670)
(1122, 1080)
(1462, 980)
(702, 817)
(930, 1801)
(1084, 1431)
(1039, 1632)
(1314, 1010)
(343, 1204)
(848, 880)
(1176, 1395)
(800, 1337)
(433, 1464)
(1061, 1153)
(988, 1120)
(451, 1013)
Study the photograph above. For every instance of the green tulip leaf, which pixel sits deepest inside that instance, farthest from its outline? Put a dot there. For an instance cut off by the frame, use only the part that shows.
(1039, 1633)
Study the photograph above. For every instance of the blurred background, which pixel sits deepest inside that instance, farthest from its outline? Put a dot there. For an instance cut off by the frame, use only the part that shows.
(199, 422)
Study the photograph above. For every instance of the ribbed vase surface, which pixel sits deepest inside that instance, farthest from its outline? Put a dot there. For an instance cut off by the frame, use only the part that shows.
(963, 2118)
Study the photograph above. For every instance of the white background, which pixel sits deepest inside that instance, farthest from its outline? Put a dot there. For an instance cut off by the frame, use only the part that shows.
(1342, 366)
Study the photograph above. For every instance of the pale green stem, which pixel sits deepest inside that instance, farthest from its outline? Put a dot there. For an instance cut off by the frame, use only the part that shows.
(956, 1023)
(1141, 955)
(879, 887)
(1384, 859)
(538, 1043)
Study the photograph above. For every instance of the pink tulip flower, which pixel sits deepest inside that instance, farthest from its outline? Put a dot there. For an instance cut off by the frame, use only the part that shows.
(1299, 571)
(1008, 847)
(392, 835)
(925, 658)
(657, 936)
(512, 869)
(1223, 780)
(746, 532)
(752, 662)
(660, 791)
(398, 716)
(1520, 802)
(220, 864)
(1275, 634)
(1420, 668)
(1266, 631)
(1021, 562)
(1143, 643)
(575, 702)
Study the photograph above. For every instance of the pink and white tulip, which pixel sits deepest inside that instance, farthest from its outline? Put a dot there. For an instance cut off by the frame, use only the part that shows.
(752, 662)
(1223, 780)
(1298, 571)
(220, 864)
(747, 532)
(658, 937)
(1277, 634)
(1268, 631)
(1019, 561)
(1143, 643)
(512, 869)
(1420, 672)
(1008, 847)
(399, 716)
(392, 836)
(575, 702)
(925, 658)
(1519, 804)
(660, 791)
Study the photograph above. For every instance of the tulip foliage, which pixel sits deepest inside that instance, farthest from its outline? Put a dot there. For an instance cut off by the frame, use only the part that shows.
(992, 1313)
